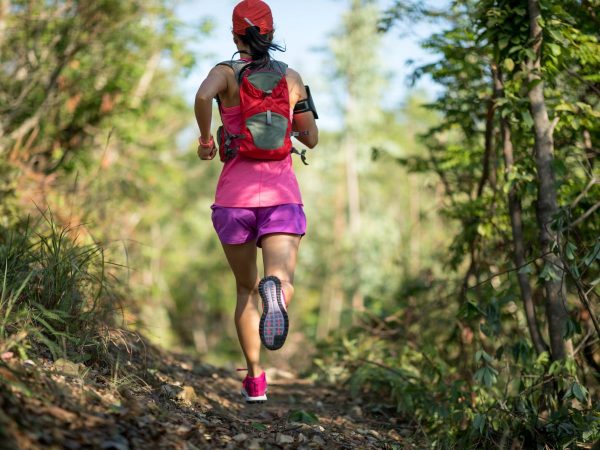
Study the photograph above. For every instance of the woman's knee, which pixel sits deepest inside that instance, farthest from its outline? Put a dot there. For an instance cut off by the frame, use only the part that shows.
(246, 288)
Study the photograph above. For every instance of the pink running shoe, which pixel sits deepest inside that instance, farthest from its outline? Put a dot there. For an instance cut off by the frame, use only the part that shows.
(254, 389)
(274, 324)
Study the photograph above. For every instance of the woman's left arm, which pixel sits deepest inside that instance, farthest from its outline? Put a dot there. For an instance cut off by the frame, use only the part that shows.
(215, 82)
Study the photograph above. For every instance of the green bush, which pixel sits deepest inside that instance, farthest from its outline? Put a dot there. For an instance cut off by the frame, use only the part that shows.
(510, 398)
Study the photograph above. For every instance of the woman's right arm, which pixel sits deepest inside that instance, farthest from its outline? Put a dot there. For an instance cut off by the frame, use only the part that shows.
(215, 83)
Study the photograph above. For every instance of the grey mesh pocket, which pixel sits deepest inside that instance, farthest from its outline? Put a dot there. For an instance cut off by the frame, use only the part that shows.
(268, 130)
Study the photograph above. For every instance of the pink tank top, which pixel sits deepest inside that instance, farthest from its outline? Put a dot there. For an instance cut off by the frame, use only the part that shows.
(251, 183)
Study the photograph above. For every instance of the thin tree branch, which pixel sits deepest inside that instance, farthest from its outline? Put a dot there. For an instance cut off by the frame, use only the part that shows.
(584, 216)
(592, 182)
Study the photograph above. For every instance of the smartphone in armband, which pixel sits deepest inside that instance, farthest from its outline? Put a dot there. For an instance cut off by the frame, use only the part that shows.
(306, 104)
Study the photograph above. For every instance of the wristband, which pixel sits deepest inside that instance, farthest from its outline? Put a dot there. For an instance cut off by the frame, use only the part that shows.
(209, 144)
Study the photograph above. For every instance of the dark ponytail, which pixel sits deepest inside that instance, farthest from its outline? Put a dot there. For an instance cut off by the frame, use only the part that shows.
(259, 46)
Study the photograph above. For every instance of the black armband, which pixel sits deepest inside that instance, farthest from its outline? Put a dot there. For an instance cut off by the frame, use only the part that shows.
(306, 105)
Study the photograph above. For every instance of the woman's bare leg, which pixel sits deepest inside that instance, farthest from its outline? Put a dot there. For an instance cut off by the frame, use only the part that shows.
(242, 260)
(279, 258)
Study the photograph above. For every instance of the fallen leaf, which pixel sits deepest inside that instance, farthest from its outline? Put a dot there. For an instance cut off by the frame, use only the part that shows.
(259, 426)
(303, 417)
(7, 374)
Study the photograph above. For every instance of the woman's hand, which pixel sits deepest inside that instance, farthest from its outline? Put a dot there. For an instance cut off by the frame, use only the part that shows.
(207, 150)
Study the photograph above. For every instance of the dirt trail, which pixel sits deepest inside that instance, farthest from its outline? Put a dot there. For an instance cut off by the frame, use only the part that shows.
(177, 403)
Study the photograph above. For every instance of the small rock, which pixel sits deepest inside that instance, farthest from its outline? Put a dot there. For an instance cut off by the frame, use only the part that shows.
(255, 444)
(187, 394)
(168, 391)
(71, 445)
(318, 440)
(319, 428)
(394, 435)
(68, 367)
(302, 438)
(240, 437)
(356, 411)
(304, 427)
(115, 443)
(406, 432)
(374, 433)
(362, 431)
(183, 429)
(284, 439)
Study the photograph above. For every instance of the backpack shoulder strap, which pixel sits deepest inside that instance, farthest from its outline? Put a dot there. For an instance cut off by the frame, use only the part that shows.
(236, 65)
(278, 66)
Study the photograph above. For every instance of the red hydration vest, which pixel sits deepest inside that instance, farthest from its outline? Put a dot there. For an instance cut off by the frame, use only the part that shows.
(265, 107)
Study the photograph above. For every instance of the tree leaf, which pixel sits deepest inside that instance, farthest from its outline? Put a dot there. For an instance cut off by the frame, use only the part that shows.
(479, 422)
(579, 392)
(554, 49)
(570, 250)
(527, 119)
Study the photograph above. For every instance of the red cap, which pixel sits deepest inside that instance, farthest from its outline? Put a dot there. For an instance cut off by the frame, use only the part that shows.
(248, 13)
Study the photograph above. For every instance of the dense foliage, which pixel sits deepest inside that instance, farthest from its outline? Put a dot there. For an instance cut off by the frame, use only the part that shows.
(517, 364)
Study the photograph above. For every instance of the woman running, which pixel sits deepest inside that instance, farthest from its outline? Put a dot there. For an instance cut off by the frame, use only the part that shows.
(257, 201)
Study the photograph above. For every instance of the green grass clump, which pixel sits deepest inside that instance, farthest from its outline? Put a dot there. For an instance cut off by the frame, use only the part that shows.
(56, 296)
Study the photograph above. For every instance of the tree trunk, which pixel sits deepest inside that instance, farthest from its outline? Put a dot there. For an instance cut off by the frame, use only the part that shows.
(547, 206)
(516, 221)
(3, 15)
(332, 295)
(353, 195)
(489, 159)
(414, 238)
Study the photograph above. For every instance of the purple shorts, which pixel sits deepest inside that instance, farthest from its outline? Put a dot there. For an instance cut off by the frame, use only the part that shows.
(241, 225)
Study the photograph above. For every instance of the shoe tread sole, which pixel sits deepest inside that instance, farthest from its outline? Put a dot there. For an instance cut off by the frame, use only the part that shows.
(274, 322)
